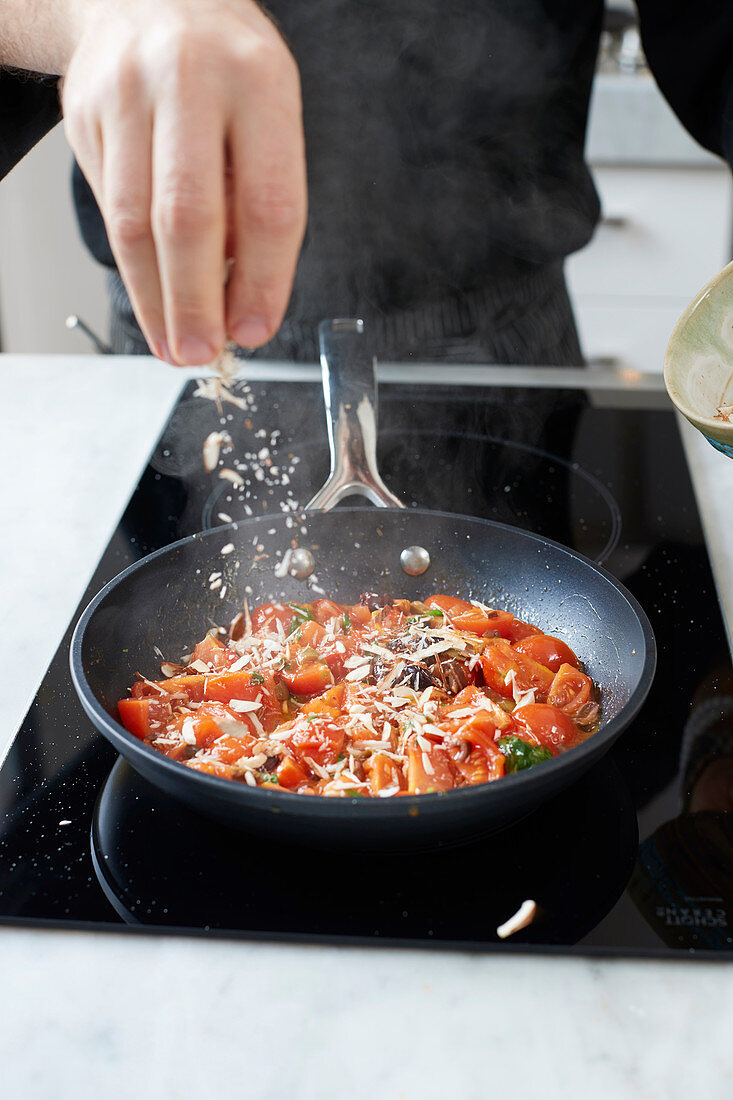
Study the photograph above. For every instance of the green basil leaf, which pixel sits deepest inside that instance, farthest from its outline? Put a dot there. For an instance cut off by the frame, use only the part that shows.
(519, 755)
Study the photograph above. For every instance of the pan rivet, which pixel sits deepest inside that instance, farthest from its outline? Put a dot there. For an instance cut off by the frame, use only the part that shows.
(302, 564)
(415, 560)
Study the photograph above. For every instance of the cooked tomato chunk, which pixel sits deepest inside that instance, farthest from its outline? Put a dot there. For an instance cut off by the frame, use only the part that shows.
(546, 650)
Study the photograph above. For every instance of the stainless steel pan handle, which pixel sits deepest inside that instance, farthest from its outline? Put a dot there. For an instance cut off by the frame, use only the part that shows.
(350, 392)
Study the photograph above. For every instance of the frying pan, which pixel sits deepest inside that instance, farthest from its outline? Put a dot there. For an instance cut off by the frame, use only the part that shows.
(164, 601)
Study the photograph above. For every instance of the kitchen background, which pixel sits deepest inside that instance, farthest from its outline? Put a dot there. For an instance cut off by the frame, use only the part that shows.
(667, 226)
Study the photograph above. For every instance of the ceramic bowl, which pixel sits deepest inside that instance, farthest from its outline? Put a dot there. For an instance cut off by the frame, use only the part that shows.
(698, 365)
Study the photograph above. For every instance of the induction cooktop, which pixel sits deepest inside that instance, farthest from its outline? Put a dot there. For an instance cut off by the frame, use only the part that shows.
(634, 859)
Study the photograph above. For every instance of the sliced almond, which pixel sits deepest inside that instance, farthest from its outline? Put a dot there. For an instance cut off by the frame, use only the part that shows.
(214, 443)
(169, 669)
(200, 666)
(231, 475)
(521, 919)
(244, 706)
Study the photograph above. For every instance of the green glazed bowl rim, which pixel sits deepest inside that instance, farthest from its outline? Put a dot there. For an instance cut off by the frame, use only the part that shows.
(720, 430)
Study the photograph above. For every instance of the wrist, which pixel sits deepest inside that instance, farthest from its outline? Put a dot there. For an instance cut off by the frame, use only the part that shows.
(41, 37)
(74, 17)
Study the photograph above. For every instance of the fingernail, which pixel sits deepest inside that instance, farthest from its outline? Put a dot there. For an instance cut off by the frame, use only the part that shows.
(164, 352)
(251, 333)
(193, 352)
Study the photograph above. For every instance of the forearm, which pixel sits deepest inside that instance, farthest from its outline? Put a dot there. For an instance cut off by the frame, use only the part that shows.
(39, 35)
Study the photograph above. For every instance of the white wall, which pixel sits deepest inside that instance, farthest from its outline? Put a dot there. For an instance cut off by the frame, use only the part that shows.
(46, 272)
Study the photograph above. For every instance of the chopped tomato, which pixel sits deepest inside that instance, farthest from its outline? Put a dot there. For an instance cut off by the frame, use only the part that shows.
(240, 685)
(211, 767)
(382, 772)
(480, 727)
(191, 686)
(519, 630)
(308, 679)
(290, 774)
(429, 772)
(472, 696)
(212, 651)
(484, 764)
(499, 621)
(546, 725)
(328, 703)
(359, 615)
(214, 719)
(205, 730)
(462, 614)
(309, 635)
(499, 660)
(466, 616)
(549, 651)
(570, 689)
(324, 610)
(337, 651)
(268, 615)
(389, 618)
(228, 749)
(179, 752)
(319, 739)
(223, 687)
(144, 717)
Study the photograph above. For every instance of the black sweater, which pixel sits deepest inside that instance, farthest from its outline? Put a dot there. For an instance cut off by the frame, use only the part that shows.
(445, 141)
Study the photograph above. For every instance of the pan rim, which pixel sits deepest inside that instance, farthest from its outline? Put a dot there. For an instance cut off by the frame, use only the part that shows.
(317, 805)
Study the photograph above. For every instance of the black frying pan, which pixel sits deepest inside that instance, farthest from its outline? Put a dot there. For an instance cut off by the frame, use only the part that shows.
(164, 601)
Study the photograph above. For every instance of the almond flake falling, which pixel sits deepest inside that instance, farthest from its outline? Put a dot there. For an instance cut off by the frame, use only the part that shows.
(228, 549)
(214, 444)
(226, 365)
(231, 475)
(219, 388)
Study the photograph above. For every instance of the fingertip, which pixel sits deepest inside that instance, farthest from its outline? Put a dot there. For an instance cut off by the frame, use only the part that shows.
(252, 332)
(162, 351)
(195, 352)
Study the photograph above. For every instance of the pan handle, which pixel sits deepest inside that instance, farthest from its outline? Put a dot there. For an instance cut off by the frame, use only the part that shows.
(350, 392)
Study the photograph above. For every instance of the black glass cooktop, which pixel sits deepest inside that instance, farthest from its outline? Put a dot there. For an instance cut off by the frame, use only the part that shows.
(636, 858)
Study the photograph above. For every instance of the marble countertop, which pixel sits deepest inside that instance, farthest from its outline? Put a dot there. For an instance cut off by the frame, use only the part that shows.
(101, 1014)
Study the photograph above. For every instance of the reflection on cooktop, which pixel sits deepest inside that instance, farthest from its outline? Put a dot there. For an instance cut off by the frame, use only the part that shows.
(159, 863)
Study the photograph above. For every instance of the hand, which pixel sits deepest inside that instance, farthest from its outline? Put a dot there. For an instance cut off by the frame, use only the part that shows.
(185, 117)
